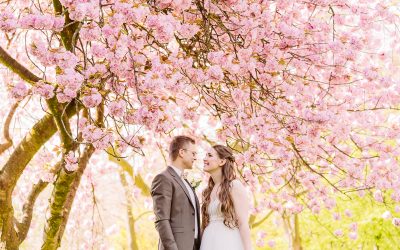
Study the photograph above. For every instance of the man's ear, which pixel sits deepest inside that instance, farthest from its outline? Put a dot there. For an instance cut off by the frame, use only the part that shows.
(180, 153)
(223, 161)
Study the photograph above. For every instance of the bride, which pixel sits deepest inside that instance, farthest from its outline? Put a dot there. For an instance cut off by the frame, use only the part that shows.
(225, 208)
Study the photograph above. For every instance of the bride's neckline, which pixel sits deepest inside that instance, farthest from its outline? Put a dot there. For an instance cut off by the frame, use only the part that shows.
(213, 200)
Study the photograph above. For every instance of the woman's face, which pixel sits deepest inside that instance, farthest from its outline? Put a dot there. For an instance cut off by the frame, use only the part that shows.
(212, 162)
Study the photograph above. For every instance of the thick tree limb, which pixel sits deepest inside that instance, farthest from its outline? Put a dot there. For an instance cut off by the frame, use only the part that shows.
(69, 34)
(64, 192)
(17, 68)
(27, 210)
(23, 226)
(6, 129)
(62, 200)
(40, 133)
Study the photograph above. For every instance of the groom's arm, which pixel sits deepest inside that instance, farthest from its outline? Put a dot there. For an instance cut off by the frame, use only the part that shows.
(161, 192)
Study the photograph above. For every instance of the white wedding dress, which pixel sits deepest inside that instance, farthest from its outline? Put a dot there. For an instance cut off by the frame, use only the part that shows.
(217, 236)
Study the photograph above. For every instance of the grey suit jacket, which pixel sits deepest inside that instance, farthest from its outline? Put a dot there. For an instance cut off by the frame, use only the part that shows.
(174, 212)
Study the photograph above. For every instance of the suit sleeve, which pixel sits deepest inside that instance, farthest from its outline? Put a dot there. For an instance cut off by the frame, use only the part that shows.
(161, 192)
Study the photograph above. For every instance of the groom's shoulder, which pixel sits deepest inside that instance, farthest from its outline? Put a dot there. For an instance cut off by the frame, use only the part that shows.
(163, 175)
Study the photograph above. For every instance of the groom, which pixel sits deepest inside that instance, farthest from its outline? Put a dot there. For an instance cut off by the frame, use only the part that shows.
(175, 203)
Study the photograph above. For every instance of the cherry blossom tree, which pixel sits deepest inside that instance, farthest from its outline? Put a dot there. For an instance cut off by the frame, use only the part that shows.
(304, 91)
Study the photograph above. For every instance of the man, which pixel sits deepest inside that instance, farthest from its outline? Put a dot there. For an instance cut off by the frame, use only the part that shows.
(175, 203)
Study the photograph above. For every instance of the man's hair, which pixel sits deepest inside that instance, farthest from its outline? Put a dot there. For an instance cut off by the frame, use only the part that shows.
(177, 143)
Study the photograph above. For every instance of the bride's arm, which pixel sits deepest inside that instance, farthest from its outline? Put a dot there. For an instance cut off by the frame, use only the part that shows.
(242, 208)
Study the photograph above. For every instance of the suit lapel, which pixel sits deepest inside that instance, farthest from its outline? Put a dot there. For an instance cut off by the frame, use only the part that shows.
(180, 182)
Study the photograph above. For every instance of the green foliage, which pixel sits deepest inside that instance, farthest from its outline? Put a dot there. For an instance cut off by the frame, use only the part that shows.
(374, 232)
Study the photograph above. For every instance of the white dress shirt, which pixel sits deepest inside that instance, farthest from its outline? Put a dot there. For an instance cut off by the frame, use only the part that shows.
(191, 194)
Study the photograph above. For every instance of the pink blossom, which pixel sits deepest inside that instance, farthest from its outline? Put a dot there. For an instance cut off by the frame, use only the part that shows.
(92, 99)
(163, 26)
(19, 91)
(140, 13)
(117, 108)
(8, 22)
(42, 22)
(396, 222)
(378, 196)
(98, 50)
(353, 235)
(338, 233)
(66, 59)
(336, 216)
(90, 32)
(180, 5)
(353, 226)
(100, 138)
(70, 81)
(82, 122)
(271, 243)
(164, 3)
(260, 243)
(386, 215)
(71, 162)
(188, 30)
(48, 177)
(348, 213)
(215, 73)
(216, 57)
(85, 10)
(43, 89)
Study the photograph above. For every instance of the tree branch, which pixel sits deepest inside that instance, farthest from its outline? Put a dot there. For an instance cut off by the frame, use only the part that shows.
(17, 68)
(139, 182)
(6, 129)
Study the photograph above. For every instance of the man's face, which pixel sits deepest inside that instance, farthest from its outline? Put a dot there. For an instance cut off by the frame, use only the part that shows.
(189, 154)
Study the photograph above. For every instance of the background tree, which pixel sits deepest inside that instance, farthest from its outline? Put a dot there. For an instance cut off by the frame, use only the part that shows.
(305, 92)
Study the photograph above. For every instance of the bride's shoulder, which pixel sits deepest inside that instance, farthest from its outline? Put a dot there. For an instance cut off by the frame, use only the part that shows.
(237, 185)
(238, 190)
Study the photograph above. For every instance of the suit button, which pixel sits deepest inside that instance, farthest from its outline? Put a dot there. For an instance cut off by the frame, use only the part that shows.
(192, 213)
(193, 229)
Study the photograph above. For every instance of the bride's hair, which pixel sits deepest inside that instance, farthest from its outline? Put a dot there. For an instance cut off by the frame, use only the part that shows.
(224, 195)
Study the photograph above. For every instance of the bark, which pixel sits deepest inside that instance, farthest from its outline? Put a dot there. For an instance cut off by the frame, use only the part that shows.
(27, 210)
(64, 191)
(69, 34)
(17, 68)
(62, 199)
(6, 129)
(297, 238)
(32, 142)
(40, 133)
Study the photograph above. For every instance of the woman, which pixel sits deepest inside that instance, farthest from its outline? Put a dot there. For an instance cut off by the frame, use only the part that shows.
(225, 208)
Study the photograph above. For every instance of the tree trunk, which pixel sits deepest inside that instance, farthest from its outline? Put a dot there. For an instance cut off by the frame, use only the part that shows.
(65, 187)
(40, 133)
(62, 199)
(292, 229)
(297, 238)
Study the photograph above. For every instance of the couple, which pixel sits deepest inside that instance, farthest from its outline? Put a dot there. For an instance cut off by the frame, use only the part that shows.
(225, 207)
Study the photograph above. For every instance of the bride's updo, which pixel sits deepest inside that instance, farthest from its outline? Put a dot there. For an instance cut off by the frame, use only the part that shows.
(224, 195)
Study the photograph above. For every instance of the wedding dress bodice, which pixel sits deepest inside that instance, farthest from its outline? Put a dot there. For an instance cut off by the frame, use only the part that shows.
(214, 210)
